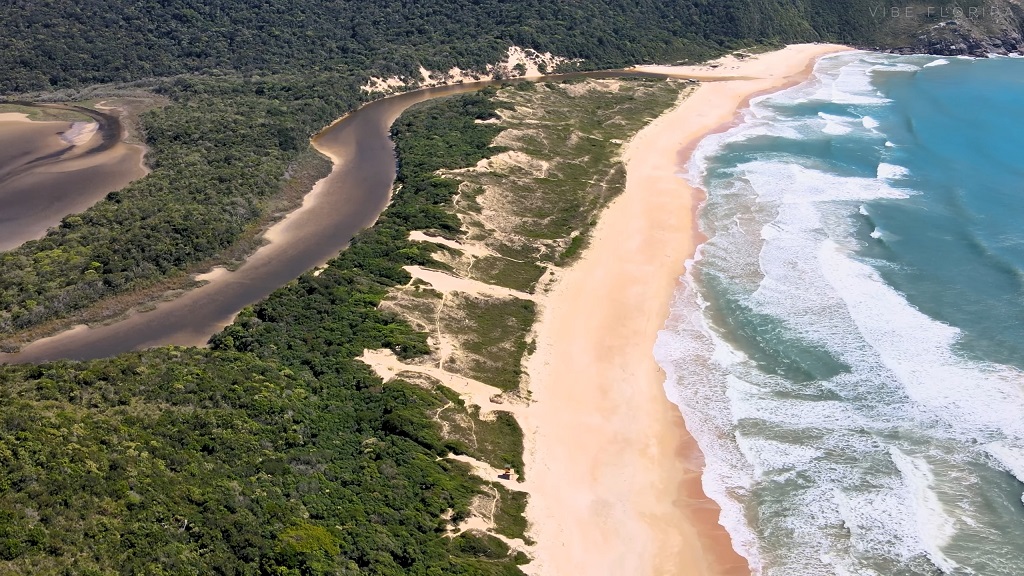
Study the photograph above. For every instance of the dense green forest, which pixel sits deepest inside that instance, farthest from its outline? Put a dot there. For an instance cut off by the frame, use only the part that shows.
(274, 452)
(64, 42)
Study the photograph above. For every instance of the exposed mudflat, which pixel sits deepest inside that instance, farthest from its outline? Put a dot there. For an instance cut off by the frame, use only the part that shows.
(51, 169)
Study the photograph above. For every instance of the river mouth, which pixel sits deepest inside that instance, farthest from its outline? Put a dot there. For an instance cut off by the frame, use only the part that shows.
(51, 169)
(347, 201)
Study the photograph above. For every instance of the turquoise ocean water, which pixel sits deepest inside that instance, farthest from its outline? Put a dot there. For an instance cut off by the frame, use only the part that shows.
(849, 346)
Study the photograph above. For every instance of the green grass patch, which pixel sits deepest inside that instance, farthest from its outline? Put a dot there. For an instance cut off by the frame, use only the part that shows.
(572, 135)
(506, 272)
(480, 545)
(510, 515)
(46, 114)
(496, 440)
(494, 336)
(499, 441)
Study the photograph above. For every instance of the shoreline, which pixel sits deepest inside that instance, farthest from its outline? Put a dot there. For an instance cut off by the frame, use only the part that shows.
(615, 478)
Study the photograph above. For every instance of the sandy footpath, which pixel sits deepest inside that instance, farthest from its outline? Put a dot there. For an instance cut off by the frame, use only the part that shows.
(613, 475)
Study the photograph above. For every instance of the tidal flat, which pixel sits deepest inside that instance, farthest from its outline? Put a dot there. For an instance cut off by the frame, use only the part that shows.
(58, 166)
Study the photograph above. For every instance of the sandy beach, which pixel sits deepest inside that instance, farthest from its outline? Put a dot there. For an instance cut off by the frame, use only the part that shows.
(613, 475)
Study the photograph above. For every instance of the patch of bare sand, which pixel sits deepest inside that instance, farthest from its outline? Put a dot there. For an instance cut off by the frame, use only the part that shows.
(514, 137)
(288, 227)
(476, 249)
(445, 283)
(215, 273)
(80, 133)
(14, 117)
(581, 88)
(489, 399)
(386, 365)
(519, 63)
(514, 159)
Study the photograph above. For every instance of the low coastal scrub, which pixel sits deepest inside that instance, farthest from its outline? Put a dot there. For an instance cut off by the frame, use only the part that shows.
(553, 164)
(533, 206)
(490, 334)
(510, 516)
(524, 209)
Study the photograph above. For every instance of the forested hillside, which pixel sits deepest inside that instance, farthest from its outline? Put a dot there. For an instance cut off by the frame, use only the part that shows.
(70, 42)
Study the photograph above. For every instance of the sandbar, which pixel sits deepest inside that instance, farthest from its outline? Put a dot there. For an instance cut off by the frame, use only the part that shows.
(50, 169)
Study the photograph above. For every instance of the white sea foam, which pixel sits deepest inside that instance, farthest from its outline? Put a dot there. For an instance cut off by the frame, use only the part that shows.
(880, 516)
(896, 67)
(849, 84)
(836, 125)
(891, 171)
(840, 78)
(772, 455)
(1010, 458)
(863, 210)
(810, 185)
(751, 127)
(918, 351)
(934, 526)
(939, 62)
(727, 474)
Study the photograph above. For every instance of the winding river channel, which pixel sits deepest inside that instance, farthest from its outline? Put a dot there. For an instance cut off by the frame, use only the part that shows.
(339, 206)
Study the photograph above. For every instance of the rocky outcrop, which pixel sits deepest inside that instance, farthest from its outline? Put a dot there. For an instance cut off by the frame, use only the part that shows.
(961, 41)
(994, 27)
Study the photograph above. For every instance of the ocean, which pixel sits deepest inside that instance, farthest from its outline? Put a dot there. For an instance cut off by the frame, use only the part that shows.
(848, 346)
